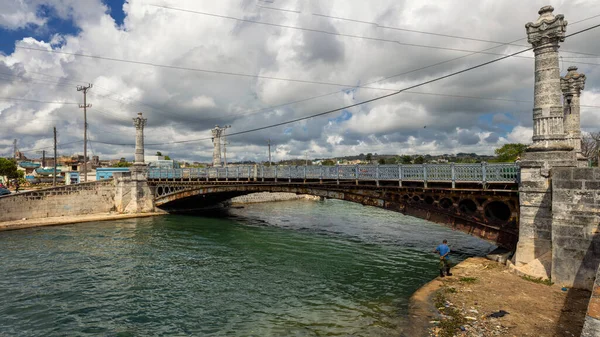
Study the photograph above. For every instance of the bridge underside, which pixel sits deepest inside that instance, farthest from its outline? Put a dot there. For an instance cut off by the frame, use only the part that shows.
(488, 214)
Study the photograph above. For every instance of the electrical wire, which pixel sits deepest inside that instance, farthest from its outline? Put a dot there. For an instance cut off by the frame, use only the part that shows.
(334, 33)
(33, 100)
(365, 101)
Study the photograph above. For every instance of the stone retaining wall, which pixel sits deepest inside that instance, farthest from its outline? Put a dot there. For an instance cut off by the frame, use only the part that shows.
(575, 226)
(591, 327)
(269, 197)
(78, 199)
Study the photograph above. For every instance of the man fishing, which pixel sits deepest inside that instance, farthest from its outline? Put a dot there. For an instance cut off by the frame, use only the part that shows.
(444, 250)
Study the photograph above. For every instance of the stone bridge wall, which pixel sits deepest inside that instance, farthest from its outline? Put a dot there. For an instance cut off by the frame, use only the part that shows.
(575, 226)
(79, 199)
(591, 327)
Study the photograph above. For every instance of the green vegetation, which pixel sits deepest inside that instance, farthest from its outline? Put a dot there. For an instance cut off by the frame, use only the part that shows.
(509, 152)
(405, 159)
(122, 164)
(448, 326)
(468, 279)
(419, 160)
(547, 282)
(8, 168)
(328, 162)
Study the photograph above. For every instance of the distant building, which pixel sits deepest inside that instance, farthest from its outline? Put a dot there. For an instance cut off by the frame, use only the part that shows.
(149, 159)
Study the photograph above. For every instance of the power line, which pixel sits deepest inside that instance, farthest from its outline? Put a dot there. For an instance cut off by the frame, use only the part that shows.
(420, 31)
(332, 33)
(49, 147)
(438, 34)
(33, 100)
(372, 99)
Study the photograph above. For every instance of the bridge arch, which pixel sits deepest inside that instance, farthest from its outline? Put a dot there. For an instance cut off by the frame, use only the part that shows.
(459, 210)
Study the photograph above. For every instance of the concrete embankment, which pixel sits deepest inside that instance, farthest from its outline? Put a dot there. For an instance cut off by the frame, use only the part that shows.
(64, 220)
(270, 197)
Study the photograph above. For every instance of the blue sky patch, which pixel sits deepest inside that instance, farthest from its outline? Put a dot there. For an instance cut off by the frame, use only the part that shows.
(344, 116)
(54, 25)
(116, 10)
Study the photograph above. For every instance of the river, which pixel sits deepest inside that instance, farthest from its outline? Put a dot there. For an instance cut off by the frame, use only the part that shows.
(298, 268)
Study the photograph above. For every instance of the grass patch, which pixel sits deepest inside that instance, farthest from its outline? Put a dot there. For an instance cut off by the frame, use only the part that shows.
(448, 326)
(539, 280)
(468, 279)
(450, 290)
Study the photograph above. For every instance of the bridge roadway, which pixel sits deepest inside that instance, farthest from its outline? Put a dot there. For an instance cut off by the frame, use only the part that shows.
(479, 199)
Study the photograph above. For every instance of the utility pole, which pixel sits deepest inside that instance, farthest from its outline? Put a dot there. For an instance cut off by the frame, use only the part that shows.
(225, 145)
(269, 142)
(598, 152)
(54, 173)
(43, 158)
(306, 158)
(84, 106)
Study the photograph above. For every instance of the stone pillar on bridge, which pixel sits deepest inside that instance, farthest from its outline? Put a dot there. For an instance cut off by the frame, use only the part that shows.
(133, 194)
(571, 85)
(549, 149)
(216, 138)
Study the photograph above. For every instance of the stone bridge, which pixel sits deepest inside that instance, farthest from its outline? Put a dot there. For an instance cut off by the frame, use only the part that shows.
(479, 199)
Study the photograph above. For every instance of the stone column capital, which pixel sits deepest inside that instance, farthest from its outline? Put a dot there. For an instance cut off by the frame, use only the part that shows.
(548, 30)
(573, 82)
(139, 122)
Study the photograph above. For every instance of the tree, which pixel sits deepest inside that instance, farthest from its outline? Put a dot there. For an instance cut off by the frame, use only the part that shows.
(381, 161)
(122, 164)
(405, 159)
(590, 146)
(167, 158)
(369, 157)
(419, 160)
(328, 162)
(158, 153)
(8, 168)
(509, 152)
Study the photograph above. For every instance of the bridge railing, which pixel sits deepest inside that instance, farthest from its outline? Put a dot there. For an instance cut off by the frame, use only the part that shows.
(461, 173)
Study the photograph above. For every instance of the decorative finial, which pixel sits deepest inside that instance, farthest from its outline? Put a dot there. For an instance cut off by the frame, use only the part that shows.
(572, 68)
(546, 9)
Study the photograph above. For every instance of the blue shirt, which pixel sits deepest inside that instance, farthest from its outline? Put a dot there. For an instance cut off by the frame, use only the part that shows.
(443, 249)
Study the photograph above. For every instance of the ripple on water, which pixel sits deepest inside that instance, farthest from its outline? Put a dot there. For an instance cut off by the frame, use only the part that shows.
(281, 269)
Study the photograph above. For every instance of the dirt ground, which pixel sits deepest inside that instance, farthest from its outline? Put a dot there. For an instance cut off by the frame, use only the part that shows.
(460, 305)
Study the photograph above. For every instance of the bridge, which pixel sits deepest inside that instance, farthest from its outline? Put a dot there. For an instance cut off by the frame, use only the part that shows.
(479, 199)
(547, 208)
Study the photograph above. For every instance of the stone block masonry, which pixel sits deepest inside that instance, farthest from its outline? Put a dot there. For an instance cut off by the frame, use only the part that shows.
(575, 226)
(591, 328)
(80, 199)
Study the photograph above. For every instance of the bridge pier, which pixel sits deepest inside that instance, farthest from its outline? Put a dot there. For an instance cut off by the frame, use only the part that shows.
(549, 149)
(132, 192)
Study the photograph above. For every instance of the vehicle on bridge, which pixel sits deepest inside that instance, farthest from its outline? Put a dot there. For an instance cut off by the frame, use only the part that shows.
(4, 191)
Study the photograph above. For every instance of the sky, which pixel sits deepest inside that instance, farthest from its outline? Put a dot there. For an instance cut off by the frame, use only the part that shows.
(189, 65)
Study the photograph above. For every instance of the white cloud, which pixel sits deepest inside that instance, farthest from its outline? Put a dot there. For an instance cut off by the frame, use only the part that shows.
(184, 104)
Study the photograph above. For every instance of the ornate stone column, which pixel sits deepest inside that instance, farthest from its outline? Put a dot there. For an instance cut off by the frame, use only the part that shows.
(139, 124)
(216, 138)
(544, 35)
(132, 192)
(571, 85)
(549, 149)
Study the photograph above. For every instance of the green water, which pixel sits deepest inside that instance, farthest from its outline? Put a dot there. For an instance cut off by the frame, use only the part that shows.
(283, 269)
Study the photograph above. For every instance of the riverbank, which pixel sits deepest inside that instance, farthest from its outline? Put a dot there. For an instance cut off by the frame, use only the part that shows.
(466, 304)
(64, 220)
